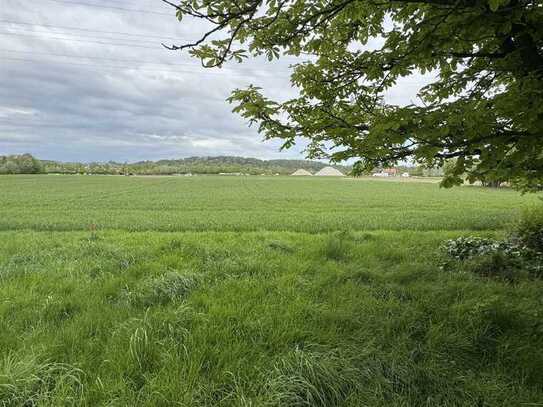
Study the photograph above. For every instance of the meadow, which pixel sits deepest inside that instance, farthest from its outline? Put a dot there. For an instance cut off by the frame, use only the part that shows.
(215, 203)
(258, 291)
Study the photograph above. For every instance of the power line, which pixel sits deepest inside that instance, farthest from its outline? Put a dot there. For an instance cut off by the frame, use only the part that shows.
(84, 40)
(200, 72)
(93, 57)
(157, 48)
(89, 30)
(27, 31)
(77, 3)
(249, 71)
(105, 66)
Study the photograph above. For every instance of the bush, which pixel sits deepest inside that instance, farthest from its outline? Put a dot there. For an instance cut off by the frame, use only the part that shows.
(521, 253)
(496, 264)
(20, 164)
(529, 229)
(465, 248)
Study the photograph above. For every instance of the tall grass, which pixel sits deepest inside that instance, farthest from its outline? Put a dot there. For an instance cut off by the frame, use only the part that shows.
(307, 379)
(27, 381)
(229, 314)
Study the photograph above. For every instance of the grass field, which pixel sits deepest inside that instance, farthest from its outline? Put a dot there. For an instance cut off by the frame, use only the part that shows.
(248, 291)
(63, 203)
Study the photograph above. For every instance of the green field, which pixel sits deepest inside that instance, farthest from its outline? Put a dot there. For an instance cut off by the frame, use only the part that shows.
(63, 203)
(257, 291)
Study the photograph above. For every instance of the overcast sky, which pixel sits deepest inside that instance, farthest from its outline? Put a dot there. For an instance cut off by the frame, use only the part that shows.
(76, 87)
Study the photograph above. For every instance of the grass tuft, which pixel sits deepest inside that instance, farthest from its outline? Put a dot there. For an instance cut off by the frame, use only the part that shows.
(26, 381)
(305, 378)
(280, 246)
(170, 287)
(337, 246)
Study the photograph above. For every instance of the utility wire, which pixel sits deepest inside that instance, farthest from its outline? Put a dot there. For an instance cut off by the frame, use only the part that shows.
(94, 57)
(202, 72)
(94, 31)
(249, 71)
(28, 31)
(77, 3)
(89, 30)
(84, 40)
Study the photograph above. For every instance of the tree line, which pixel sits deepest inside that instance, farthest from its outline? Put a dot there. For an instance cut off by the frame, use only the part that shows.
(27, 164)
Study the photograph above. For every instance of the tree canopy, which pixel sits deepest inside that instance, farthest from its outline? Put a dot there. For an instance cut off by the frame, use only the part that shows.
(20, 164)
(484, 109)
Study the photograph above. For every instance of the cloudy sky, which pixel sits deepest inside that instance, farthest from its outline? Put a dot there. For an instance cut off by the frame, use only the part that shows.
(88, 80)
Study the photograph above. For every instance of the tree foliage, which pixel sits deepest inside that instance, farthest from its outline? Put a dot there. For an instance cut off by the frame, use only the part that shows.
(20, 164)
(193, 165)
(485, 107)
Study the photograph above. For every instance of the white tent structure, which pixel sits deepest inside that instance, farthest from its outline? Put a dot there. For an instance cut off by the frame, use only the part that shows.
(329, 172)
(301, 173)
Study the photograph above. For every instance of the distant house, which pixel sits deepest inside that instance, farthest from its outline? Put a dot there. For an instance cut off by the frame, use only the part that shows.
(386, 172)
(329, 172)
(301, 173)
(390, 171)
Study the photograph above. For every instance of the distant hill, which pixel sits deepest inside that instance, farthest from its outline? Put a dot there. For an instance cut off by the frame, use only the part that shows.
(192, 165)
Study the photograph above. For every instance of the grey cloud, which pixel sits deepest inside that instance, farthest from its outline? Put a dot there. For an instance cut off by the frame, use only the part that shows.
(99, 109)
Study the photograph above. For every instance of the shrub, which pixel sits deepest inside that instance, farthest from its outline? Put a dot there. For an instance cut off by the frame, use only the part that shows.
(506, 259)
(529, 229)
(465, 248)
(495, 264)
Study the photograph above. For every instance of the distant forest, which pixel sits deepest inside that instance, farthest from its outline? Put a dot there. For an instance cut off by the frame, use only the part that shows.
(27, 164)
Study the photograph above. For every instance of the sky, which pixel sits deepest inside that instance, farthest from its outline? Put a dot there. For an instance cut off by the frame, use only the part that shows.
(88, 80)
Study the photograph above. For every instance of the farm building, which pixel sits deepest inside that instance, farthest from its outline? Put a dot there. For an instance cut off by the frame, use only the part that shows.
(386, 172)
(390, 171)
(329, 172)
(301, 172)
